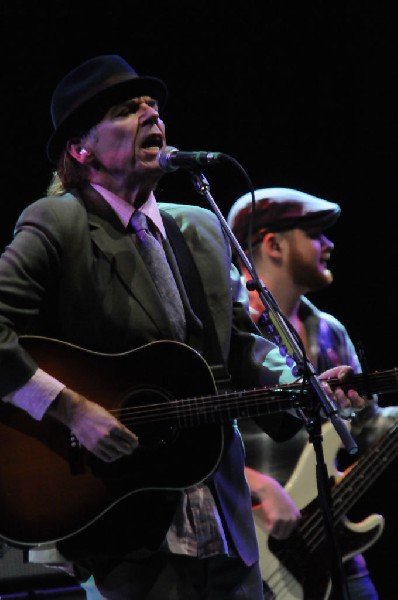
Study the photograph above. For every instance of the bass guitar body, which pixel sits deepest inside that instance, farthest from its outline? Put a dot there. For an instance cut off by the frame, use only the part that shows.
(299, 568)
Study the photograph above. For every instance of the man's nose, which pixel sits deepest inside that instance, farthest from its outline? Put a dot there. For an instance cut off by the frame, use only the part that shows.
(327, 243)
(150, 113)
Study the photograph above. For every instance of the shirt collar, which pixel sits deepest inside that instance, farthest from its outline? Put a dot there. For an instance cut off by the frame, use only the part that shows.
(124, 210)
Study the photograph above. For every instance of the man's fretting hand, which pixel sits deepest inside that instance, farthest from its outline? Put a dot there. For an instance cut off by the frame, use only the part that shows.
(345, 400)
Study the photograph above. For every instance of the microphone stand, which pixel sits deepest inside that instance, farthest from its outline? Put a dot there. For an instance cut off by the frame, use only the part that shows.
(339, 585)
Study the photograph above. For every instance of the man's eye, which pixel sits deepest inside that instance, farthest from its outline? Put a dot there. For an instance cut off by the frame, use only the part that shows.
(125, 111)
(130, 108)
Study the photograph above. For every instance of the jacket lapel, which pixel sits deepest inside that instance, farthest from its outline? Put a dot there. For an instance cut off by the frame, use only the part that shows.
(119, 250)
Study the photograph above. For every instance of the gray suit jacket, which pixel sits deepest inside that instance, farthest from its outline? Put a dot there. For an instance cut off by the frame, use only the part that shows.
(74, 274)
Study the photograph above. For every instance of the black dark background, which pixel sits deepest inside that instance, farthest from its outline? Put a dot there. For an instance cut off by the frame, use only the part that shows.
(302, 94)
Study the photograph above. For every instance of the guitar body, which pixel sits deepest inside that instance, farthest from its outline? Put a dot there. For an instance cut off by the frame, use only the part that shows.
(53, 489)
(299, 568)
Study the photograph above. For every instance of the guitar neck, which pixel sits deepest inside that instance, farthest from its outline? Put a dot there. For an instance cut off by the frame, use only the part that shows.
(218, 409)
(364, 472)
(262, 401)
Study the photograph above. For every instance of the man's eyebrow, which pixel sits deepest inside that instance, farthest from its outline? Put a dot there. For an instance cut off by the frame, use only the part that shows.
(130, 103)
(138, 99)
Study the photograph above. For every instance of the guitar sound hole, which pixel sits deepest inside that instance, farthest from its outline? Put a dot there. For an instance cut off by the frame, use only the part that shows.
(149, 418)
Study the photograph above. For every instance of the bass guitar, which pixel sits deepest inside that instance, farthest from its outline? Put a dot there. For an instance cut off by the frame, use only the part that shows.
(298, 568)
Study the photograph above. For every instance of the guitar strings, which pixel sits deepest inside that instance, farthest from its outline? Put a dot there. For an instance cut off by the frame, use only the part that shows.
(214, 405)
(372, 462)
(311, 533)
(207, 408)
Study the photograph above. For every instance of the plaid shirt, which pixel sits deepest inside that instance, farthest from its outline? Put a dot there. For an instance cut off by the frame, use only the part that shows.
(196, 529)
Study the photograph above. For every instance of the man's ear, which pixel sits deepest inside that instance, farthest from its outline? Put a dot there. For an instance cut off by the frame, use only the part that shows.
(271, 244)
(78, 152)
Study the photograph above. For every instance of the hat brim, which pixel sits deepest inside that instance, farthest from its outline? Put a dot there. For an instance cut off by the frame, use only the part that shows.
(90, 112)
(317, 220)
(322, 220)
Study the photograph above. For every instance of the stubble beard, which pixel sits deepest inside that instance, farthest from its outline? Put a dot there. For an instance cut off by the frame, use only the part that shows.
(309, 276)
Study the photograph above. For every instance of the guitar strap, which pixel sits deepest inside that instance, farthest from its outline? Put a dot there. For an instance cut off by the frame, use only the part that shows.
(197, 297)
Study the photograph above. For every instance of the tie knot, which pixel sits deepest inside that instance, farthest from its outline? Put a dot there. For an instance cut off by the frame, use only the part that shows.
(139, 225)
(139, 222)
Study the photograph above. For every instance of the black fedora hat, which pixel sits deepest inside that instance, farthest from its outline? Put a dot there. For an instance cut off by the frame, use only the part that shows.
(83, 96)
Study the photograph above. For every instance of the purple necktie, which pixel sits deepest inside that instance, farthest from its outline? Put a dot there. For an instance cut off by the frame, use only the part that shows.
(154, 257)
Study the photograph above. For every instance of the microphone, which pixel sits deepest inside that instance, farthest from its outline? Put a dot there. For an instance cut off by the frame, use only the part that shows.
(171, 159)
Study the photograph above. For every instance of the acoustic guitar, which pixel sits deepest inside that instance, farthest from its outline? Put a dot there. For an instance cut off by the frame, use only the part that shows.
(52, 488)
